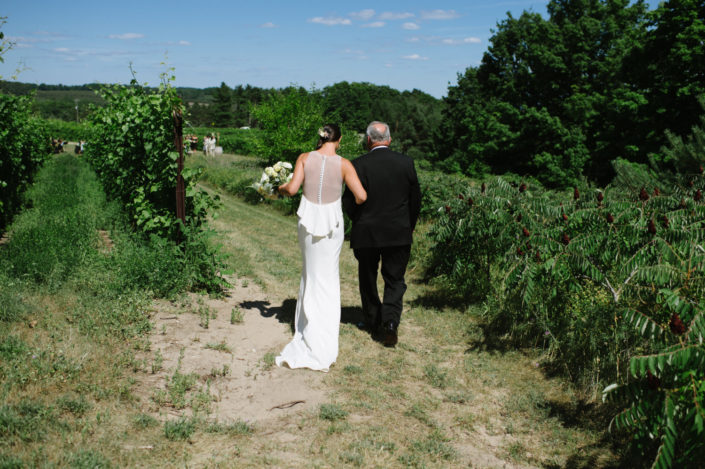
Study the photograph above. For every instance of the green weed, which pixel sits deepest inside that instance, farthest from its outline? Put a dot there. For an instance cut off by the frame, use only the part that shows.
(331, 412)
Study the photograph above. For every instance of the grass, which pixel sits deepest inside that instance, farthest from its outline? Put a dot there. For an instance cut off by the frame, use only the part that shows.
(444, 397)
(220, 347)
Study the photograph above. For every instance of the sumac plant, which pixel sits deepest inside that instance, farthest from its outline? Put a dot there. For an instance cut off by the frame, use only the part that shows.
(567, 271)
(664, 401)
(132, 150)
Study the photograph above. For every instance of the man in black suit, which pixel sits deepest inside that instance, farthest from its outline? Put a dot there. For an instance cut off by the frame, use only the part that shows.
(382, 229)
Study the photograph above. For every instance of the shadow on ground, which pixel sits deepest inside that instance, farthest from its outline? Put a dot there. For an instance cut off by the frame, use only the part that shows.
(286, 312)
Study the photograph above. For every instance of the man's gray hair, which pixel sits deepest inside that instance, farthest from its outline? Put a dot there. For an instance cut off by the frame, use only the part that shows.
(373, 132)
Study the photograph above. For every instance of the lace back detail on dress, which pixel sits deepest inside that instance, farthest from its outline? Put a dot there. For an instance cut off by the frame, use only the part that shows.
(323, 179)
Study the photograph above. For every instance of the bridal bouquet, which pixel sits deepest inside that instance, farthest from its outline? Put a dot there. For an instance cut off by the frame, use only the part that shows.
(272, 178)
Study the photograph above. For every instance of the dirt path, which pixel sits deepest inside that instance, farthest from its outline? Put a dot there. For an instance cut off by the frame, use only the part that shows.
(439, 399)
(235, 359)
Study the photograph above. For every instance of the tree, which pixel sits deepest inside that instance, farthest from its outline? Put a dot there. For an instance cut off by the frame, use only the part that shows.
(290, 119)
(222, 106)
(537, 102)
(671, 69)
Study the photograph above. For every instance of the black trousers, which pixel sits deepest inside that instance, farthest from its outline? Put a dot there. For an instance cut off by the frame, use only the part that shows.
(394, 260)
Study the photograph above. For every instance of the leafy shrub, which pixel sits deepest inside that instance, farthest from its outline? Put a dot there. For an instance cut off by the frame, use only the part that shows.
(60, 129)
(132, 150)
(578, 272)
(23, 148)
(665, 402)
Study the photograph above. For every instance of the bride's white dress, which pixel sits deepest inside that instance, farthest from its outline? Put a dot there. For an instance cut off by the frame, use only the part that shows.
(317, 322)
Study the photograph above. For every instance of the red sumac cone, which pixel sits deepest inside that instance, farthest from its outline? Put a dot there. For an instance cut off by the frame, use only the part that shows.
(665, 221)
(698, 195)
(652, 381)
(576, 193)
(538, 255)
(460, 196)
(522, 187)
(610, 218)
(470, 201)
(652, 227)
(565, 217)
(701, 169)
(526, 232)
(600, 197)
(643, 195)
(520, 252)
(676, 324)
(656, 191)
(483, 187)
(448, 209)
(528, 246)
(565, 239)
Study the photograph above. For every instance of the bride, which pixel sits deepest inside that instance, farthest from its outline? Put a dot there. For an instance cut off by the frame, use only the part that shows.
(322, 172)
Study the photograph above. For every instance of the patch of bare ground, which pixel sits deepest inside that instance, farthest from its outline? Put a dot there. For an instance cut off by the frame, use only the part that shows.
(229, 343)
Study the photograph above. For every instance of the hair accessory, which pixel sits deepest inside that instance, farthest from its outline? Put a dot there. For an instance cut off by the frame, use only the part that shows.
(322, 133)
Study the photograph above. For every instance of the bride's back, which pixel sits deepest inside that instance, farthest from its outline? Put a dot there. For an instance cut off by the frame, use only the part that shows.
(323, 178)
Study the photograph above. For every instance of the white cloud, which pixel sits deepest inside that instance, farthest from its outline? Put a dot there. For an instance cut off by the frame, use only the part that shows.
(184, 43)
(414, 57)
(411, 26)
(359, 54)
(467, 40)
(363, 15)
(126, 36)
(63, 50)
(413, 39)
(268, 25)
(390, 15)
(330, 20)
(439, 15)
(374, 24)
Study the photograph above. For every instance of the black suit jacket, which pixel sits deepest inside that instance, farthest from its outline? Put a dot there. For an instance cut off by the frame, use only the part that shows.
(389, 215)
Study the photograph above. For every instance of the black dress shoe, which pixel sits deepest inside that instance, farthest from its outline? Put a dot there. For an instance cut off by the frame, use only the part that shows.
(389, 334)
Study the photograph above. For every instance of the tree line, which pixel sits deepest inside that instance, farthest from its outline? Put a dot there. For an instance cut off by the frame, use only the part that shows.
(561, 97)
(557, 97)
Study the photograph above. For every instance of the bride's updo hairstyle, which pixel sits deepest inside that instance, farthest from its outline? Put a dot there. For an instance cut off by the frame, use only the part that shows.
(328, 133)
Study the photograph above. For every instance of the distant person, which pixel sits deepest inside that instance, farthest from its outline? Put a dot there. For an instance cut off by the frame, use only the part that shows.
(382, 230)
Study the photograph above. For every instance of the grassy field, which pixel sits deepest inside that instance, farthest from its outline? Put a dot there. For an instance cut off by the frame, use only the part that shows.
(79, 349)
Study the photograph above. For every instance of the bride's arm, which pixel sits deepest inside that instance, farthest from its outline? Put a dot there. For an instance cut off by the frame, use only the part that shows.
(353, 182)
(292, 187)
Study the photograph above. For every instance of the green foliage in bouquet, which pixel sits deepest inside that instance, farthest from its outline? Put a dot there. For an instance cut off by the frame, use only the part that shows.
(23, 148)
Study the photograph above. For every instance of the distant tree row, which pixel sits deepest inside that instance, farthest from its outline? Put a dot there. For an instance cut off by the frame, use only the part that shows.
(561, 97)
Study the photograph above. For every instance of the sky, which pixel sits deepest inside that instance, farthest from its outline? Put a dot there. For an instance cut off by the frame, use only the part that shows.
(413, 44)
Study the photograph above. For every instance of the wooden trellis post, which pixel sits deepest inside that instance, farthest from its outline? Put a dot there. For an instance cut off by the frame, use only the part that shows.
(179, 142)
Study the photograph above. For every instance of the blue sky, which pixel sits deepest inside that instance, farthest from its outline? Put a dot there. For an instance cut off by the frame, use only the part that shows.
(411, 44)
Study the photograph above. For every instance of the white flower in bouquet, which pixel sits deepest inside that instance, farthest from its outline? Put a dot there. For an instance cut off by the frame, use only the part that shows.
(273, 177)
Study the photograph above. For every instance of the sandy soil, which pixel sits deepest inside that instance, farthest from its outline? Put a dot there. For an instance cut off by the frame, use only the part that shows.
(252, 390)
